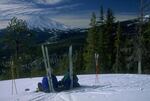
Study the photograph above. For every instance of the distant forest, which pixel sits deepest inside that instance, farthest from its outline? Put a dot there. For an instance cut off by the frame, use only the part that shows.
(117, 43)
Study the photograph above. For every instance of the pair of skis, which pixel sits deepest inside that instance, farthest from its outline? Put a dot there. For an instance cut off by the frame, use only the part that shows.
(48, 67)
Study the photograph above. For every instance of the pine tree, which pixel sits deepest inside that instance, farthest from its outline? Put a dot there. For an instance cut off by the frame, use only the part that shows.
(101, 41)
(146, 48)
(110, 17)
(102, 15)
(78, 62)
(17, 37)
(101, 18)
(117, 65)
(93, 20)
(91, 47)
(109, 41)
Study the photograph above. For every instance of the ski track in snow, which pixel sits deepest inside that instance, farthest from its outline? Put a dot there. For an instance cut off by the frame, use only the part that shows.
(111, 87)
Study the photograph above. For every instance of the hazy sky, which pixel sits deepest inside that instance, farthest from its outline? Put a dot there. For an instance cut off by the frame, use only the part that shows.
(75, 13)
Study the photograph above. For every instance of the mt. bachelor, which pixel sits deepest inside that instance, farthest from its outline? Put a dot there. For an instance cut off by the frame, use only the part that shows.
(39, 22)
(43, 22)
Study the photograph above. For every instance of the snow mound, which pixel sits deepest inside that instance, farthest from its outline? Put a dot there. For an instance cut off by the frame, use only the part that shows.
(109, 87)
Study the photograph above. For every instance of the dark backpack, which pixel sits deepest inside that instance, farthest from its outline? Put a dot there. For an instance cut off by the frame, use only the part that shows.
(45, 84)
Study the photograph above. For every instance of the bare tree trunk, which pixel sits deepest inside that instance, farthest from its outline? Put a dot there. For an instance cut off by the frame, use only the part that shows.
(117, 61)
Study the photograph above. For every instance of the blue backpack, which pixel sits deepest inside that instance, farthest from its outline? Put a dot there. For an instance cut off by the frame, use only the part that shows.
(45, 84)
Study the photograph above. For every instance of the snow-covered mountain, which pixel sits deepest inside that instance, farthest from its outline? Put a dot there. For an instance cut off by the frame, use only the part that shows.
(39, 22)
(37, 13)
(43, 22)
(146, 18)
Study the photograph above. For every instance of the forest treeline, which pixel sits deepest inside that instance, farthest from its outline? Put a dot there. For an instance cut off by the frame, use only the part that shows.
(115, 42)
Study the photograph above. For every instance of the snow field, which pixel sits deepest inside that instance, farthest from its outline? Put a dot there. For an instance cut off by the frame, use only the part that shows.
(109, 87)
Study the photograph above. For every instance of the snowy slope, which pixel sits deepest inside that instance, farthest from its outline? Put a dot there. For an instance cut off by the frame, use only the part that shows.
(111, 87)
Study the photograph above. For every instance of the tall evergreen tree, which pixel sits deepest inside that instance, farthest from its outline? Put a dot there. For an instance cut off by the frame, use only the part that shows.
(101, 18)
(101, 41)
(117, 64)
(101, 14)
(93, 20)
(92, 45)
(109, 40)
(17, 38)
(78, 63)
(146, 49)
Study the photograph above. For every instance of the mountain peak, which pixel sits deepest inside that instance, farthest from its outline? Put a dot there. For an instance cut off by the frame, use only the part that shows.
(38, 22)
(44, 22)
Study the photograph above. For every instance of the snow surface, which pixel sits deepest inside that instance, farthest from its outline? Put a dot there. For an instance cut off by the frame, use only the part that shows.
(109, 87)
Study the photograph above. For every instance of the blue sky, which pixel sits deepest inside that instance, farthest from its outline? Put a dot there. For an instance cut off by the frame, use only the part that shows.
(75, 13)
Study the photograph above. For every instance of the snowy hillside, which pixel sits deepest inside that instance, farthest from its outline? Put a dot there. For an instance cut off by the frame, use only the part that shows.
(111, 87)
